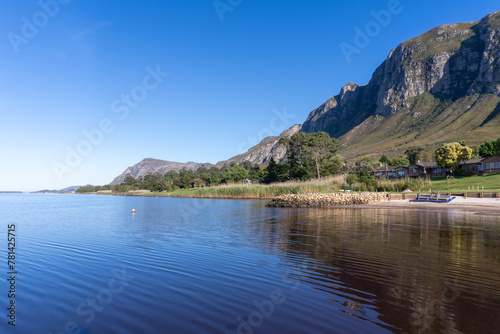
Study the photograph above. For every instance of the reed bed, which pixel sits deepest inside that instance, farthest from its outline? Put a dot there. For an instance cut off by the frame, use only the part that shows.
(392, 185)
(242, 191)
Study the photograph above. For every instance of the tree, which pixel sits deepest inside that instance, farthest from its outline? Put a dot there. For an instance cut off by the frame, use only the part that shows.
(186, 177)
(489, 148)
(202, 174)
(361, 171)
(384, 159)
(215, 176)
(399, 162)
(450, 155)
(271, 172)
(198, 183)
(247, 165)
(363, 168)
(298, 169)
(130, 180)
(255, 173)
(311, 148)
(322, 147)
(464, 153)
(331, 166)
(275, 172)
(414, 154)
(154, 182)
(282, 172)
(236, 174)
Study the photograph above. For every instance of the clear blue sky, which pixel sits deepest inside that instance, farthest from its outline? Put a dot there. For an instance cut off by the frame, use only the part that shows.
(70, 67)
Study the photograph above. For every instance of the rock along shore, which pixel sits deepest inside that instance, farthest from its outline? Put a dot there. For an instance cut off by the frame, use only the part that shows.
(313, 200)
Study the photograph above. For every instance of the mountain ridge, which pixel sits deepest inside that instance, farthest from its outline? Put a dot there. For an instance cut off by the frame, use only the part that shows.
(443, 85)
(150, 165)
(440, 86)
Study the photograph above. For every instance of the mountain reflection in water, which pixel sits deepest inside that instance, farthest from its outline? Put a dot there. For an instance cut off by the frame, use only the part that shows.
(422, 271)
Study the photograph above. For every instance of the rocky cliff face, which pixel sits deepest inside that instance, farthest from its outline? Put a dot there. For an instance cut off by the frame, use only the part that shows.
(156, 166)
(449, 62)
(262, 152)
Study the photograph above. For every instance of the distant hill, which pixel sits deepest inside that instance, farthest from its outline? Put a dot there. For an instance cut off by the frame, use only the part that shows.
(61, 191)
(156, 166)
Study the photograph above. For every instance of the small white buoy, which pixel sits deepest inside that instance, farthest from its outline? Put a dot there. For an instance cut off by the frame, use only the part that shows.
(133, 210)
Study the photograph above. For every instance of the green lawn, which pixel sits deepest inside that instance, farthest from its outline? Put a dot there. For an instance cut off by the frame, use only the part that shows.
(490, 183)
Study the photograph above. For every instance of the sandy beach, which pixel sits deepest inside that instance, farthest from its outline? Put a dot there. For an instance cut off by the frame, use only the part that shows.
(490, 204)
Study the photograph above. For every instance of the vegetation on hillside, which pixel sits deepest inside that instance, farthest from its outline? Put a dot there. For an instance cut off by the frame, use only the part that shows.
(428, 122)
(308, 156)
(310, 165)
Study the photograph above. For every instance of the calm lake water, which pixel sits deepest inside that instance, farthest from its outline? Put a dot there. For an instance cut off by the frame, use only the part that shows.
(86, 264)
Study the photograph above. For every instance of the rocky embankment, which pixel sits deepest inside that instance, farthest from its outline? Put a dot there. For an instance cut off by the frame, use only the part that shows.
(311, 200)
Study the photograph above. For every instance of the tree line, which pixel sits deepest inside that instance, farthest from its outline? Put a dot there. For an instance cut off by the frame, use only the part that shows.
(308, 156)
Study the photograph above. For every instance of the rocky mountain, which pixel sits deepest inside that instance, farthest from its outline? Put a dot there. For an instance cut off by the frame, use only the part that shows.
(441, 86)
(438, 87)
(262, 152)
(156, 166)
(259, 154)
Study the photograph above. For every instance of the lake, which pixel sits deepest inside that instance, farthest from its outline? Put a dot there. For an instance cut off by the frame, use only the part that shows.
(87, 264)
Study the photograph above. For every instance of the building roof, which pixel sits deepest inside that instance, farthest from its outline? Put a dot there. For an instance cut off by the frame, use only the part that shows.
(386, 168)
(426, 164)
(472, 161)
(432, 164)
(495, 157)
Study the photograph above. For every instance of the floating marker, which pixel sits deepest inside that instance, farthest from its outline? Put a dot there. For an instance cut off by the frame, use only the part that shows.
(133, 210)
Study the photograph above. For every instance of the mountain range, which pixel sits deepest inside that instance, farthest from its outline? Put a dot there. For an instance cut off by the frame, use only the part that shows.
(60, 191)
(442, 86)
(156, 166)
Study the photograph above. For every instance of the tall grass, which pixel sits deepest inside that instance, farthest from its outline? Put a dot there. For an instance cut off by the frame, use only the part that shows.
(392, 186)
(324, 185)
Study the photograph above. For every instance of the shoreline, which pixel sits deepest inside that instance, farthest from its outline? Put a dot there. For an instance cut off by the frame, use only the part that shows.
(137, 194)
(470, 203)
